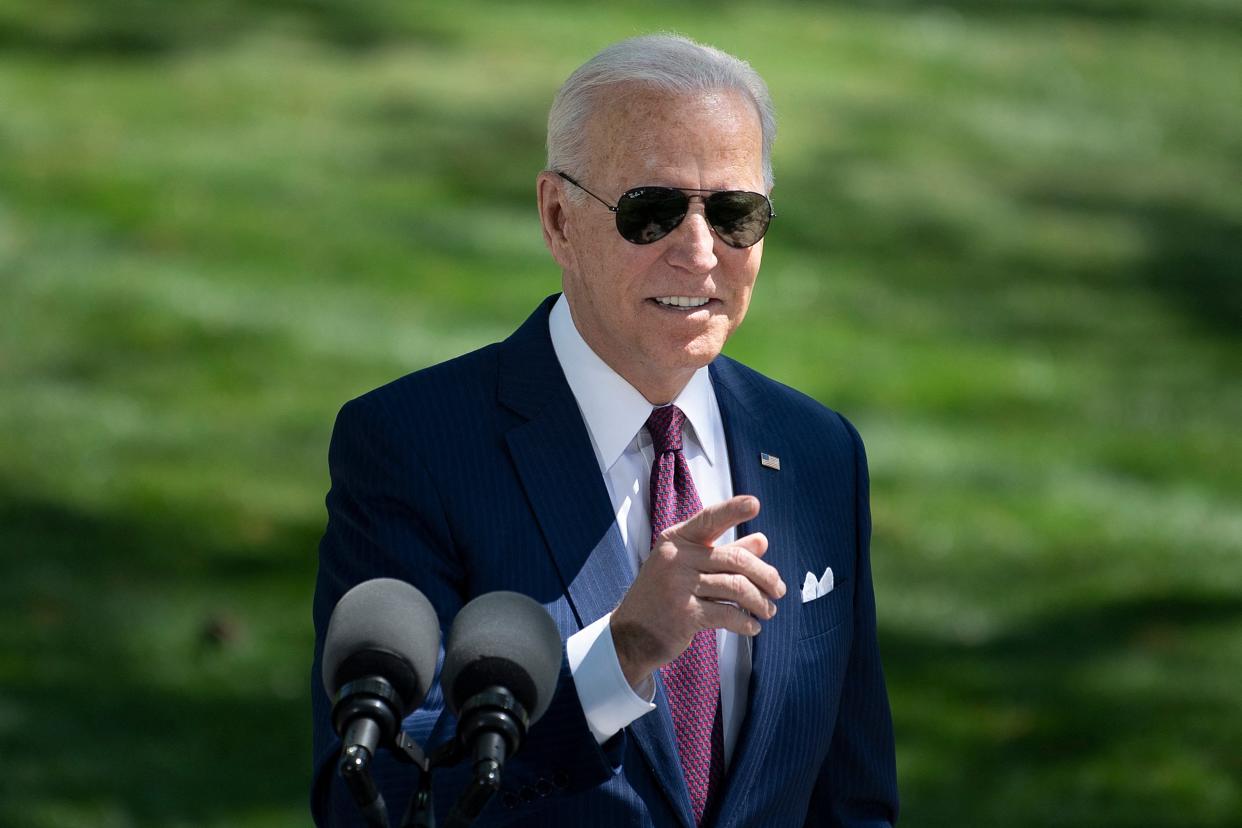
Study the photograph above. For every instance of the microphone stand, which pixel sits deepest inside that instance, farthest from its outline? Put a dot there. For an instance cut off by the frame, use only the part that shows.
(490, 728)
(367, 710)
(420, 813)
(492, 724)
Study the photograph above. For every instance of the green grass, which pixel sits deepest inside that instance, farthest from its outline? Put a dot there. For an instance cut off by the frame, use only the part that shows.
(1009, 248)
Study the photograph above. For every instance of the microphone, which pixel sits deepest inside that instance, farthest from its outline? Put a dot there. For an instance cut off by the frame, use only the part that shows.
(501, 665)
(379, 660)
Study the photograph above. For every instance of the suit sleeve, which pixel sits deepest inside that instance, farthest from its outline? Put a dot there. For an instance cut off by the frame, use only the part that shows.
(386, 519)
(857, 785)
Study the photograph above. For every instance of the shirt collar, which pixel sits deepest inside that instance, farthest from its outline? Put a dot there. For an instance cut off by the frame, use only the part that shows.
(613, 409)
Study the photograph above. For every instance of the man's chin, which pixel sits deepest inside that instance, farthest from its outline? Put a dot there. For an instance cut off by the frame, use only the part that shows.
(708, 345)
(695, 354)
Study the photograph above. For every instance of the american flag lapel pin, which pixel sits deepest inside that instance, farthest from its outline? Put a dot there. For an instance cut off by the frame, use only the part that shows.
(769, 461)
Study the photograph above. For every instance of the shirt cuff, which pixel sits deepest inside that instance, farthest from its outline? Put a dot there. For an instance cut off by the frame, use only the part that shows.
(607, 698)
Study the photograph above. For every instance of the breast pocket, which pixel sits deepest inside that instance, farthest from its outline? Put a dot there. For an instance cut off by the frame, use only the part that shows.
(826, 612)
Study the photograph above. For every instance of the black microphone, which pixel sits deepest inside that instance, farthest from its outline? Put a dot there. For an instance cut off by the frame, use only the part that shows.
(501, 665)
(379, 659)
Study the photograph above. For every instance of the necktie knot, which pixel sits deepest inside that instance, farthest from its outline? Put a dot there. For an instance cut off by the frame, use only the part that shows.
(665, 427)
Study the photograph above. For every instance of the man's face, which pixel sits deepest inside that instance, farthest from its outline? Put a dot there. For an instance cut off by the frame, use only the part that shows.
(709, 141)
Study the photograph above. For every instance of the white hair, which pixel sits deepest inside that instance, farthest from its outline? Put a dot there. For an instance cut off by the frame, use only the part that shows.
(667, 62)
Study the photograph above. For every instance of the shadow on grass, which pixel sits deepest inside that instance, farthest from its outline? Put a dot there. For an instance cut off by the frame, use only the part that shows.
(457, 145)
(1190, 255)
(1194, 256)
(140, 29)
(1101, 11)
(129, 688)
(1049, 725)
(161, 758)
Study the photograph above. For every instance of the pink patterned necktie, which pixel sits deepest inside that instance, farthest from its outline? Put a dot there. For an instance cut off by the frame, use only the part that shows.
(692, 680)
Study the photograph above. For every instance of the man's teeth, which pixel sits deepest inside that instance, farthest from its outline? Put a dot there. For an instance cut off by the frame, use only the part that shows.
(683, 301)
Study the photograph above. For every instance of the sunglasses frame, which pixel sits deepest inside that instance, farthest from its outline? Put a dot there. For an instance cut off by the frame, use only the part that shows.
(615, 209)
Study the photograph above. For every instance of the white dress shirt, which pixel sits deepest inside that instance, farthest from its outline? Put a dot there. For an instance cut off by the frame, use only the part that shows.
(616, 414)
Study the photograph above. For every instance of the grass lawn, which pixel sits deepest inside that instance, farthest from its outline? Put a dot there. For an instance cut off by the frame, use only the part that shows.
(1009, 248)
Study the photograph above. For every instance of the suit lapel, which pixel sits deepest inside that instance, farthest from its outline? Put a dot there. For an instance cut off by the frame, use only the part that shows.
(747, 436)
(556, 464)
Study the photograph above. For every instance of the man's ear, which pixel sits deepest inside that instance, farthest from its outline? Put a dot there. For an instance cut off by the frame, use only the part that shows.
(554, 216)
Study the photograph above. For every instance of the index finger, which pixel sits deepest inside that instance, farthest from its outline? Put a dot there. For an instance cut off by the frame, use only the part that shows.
(715, 520)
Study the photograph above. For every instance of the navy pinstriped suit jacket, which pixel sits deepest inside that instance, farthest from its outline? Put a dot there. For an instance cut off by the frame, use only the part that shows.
(478, 475)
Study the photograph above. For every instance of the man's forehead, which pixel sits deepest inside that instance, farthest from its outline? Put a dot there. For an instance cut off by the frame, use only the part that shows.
(643, 129)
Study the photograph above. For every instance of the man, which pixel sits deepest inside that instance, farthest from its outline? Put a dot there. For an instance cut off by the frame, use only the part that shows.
(698, 532)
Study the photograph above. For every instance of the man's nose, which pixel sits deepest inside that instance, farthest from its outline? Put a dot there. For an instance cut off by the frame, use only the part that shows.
(694, 243)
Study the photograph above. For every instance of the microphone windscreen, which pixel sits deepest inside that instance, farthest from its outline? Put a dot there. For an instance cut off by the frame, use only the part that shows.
(503, 639)
(383, 627)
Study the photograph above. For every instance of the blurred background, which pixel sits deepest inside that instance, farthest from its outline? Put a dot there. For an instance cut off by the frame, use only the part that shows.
(1009, 248)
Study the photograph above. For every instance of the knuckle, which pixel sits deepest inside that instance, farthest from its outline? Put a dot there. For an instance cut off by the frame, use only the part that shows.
(743, 624)
(665, 549)
(774, 580)
(756, 598)
(753, 570)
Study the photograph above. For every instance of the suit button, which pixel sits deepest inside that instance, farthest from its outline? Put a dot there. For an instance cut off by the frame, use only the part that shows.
(528, 793)
(543, 787)
(560, 779)
(510, 800)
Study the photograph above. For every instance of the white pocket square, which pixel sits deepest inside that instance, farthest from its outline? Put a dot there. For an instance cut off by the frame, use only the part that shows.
(813, 587)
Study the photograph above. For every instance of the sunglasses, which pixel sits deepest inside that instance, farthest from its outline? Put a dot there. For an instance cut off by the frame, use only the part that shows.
(648, 214)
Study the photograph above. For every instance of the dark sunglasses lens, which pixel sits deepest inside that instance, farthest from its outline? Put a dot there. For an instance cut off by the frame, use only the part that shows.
(739, 218)
(648, 214)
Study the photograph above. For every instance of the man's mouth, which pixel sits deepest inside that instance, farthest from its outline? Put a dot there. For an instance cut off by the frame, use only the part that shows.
(682, 301)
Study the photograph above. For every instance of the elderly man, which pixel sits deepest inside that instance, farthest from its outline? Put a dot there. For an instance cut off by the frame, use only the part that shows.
(698, 532)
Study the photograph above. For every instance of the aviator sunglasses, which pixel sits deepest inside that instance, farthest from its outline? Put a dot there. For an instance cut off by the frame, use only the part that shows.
(648, 214)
